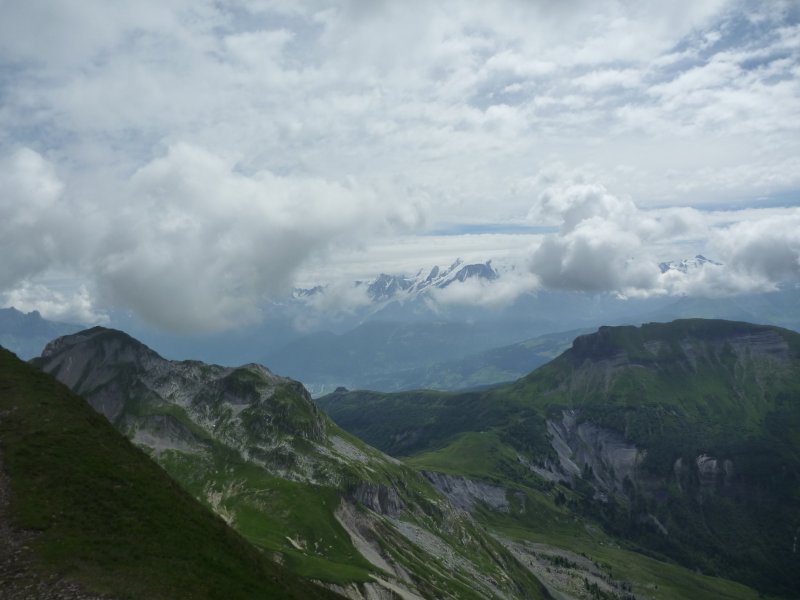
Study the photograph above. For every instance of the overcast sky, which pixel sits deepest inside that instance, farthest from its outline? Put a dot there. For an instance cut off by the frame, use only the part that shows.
(190, 160)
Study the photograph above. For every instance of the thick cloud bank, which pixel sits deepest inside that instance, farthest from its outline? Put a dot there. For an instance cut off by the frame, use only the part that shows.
(608, 244)
(189, 243)
(30, 215)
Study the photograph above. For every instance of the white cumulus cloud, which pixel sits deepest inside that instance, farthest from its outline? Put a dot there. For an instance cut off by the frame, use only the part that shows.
(188, 242)
(76, 306)
(31, 212)
(608, 244)
(488, 293)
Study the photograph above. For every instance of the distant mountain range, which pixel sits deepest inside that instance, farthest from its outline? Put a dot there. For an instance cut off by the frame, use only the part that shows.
(483, 369)
(688, 264)
(403, 339)
(26, 334)
(402, 288)
(387, 288)
(402, 346)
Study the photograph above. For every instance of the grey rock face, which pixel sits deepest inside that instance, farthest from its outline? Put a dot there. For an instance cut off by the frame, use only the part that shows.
(713, 472)
(466, 493)
(378, 498)
(155, 400)
(584, 446)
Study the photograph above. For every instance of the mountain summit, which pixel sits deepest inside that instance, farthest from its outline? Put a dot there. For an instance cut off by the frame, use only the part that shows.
(253, 447)
(391, 287)
(688, 264)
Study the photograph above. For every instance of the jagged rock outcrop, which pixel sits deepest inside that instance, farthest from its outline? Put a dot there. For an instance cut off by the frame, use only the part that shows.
(465, 493)
(584, 449)
(378, 498)
(248, 407)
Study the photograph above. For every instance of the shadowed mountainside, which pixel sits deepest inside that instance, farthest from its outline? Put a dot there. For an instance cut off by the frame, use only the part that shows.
(681, 438)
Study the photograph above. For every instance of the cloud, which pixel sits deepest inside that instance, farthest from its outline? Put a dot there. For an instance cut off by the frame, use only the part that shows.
(608, 244)
(462, 98)
(758, 254)
(601, 79)
(188, 159)
(31, 209)
(767, 250)
(491, 294)
(67, 307)
(189, 242)
(572, 204)
(334, 300)
(599, 256)
(202, 246)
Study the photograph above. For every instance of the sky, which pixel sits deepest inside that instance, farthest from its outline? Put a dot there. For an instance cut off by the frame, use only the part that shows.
(191, 161)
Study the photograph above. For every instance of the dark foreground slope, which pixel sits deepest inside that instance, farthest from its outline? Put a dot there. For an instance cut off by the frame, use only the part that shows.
(681, 440)
(95, 509)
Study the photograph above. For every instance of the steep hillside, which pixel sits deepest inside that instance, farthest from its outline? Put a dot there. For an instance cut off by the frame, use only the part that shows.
(256, 449)
(680, 438)
(81, 508)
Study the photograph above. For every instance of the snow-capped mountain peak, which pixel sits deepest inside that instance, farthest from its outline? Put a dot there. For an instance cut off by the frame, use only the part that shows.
(688, 264)
(386, 288)
(389, 287)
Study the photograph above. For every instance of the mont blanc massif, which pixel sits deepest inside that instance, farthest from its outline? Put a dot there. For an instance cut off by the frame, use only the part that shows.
(658, 459)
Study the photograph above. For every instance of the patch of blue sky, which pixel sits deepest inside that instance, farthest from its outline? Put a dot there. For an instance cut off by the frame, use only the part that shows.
(497, 228)
(790, 198)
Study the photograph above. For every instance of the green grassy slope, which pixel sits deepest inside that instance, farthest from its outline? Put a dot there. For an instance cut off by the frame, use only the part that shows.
(546, 514)
(738, 394)
(406, 423)
(277, 515)
(274, 514)
(681, 390)
(110, 518)
(678, 389)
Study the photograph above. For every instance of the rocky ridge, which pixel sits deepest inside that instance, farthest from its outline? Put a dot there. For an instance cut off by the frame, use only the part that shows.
(211, 426)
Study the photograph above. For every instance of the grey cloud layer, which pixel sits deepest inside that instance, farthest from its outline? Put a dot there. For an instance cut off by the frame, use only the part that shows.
(187, 243)
(185, 159)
